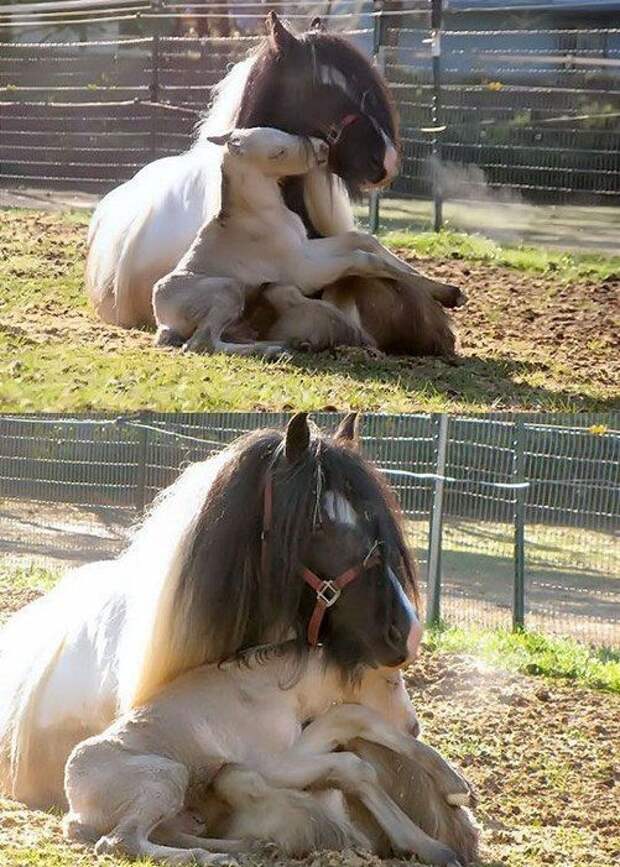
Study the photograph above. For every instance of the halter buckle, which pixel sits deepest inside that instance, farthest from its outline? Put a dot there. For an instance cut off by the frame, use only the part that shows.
(328, 593)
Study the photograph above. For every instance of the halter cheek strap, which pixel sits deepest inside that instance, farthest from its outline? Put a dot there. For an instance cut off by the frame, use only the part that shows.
(327, 591)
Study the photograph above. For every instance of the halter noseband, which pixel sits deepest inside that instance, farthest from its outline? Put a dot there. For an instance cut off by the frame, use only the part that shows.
(327, 591)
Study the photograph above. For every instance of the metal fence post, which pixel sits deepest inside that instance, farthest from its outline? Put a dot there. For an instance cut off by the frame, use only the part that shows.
(142, 443)
(433, 590)
(379, 59)
(518, 593)
(154, 87)
(436, 20)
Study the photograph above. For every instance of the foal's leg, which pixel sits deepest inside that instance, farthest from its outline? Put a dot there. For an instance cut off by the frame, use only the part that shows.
(194, 311)
(326, 260)
(353, 776)
(121, 798)
(311, 323)
(360, 254)
(447, 294)
(338, 726)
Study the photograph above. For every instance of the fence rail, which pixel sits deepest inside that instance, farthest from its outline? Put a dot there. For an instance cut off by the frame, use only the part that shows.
(519, 113)
(514, 520)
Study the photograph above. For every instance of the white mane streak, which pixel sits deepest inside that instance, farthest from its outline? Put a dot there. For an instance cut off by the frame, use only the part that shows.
(339, 509)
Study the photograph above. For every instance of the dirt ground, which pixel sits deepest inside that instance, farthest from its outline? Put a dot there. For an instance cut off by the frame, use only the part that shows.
(543, 756)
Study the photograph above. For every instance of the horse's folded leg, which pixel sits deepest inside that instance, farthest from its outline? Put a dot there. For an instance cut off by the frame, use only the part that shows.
(447, 294)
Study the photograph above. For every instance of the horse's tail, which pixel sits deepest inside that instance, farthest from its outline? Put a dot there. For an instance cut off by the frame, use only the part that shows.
(30, 645)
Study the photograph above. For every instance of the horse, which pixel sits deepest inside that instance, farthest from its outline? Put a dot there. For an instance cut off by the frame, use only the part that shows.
(214, 569)
(224, 746)
(315, 84)
(256, 241)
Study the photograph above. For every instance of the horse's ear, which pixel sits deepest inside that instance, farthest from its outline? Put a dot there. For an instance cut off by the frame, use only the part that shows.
(220, 139)
(347, 432)
(318, 25)
(297, 438)
(281, 37)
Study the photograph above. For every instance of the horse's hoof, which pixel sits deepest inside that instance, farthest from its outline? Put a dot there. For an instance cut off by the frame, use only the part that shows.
(452, 297)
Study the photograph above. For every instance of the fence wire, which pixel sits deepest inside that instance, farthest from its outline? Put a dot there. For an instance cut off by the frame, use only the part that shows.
(72, 488)
(525, 113)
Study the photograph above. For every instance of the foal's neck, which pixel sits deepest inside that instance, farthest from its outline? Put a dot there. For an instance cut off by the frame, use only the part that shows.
(320, 686)
(250, 194)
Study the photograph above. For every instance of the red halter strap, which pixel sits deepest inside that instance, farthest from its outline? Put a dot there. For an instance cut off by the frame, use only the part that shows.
(335, 131)
(327, 591)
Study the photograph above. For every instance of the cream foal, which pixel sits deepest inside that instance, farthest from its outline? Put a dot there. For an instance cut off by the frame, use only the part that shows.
(257, 242)
(228, 741)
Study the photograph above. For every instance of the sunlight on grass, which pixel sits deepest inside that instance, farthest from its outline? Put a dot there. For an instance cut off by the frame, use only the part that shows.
(532, 653)
(475, 248)
(27, 577)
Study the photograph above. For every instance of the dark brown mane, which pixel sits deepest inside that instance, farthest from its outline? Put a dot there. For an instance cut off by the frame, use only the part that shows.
(238, 606)
(285, 90)
(314, 49)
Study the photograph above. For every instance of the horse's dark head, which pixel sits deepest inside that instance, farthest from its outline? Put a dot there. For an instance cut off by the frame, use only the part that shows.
(319, 84)
(326, 512)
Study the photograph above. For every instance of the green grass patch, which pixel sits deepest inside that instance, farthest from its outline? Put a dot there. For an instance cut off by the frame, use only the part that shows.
(27, 577)
(532, 653)
(475, 248)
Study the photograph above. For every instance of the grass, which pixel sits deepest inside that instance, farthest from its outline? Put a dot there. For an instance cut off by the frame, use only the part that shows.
(57, 356)
(26, 577)
(532, 653)
(532, 260)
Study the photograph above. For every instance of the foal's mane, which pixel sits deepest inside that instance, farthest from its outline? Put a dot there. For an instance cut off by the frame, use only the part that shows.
(220, 602)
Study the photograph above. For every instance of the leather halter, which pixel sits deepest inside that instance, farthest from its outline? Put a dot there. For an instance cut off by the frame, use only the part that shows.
(334, 133)
(327, 591)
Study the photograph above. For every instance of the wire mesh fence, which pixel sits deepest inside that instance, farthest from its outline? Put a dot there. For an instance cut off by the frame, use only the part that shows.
(513, 520)
(499, 104)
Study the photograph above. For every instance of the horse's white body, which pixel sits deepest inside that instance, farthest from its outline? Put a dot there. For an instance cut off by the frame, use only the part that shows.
(71, 661)
(140, 230)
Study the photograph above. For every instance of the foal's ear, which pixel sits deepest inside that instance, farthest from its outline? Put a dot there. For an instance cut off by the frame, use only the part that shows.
(281, 37)
(297, 438)
(347, 432)
(220, 139)
(318, 25)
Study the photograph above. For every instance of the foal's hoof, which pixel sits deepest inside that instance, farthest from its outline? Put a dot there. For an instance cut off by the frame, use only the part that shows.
(211, 859)
(168, 337)
(200, 345)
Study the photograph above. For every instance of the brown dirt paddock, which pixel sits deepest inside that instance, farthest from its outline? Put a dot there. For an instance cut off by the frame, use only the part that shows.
(543, 757)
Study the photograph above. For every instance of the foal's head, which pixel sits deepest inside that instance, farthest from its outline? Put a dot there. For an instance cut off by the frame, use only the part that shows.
(272, 152)
(319, 84)
(287, 513)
